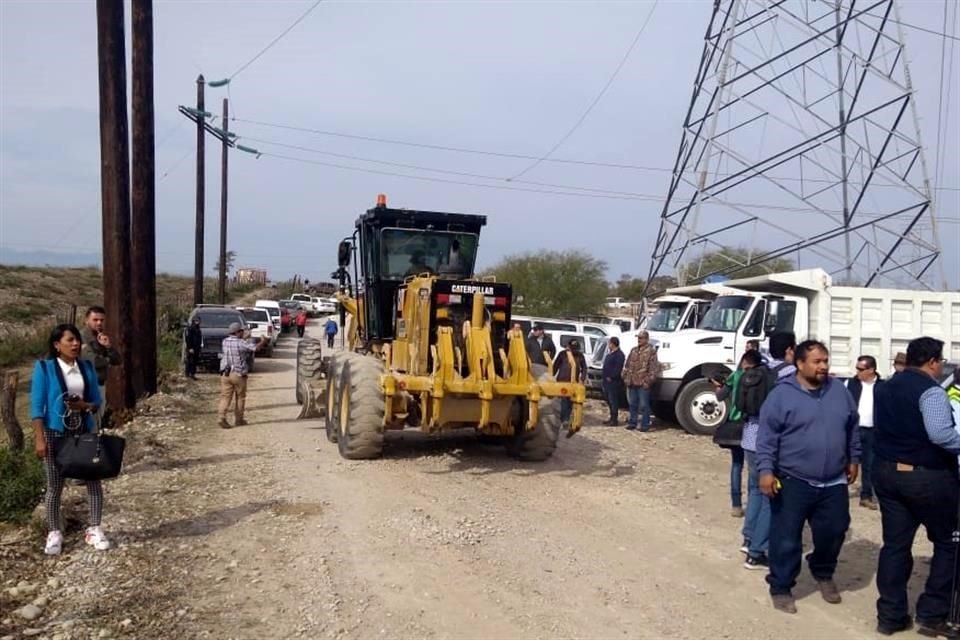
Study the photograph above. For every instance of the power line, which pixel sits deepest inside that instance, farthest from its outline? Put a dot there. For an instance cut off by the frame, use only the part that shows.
(489, 153)
(464, 174)
(275, 40)
(445, 180)
(596, 100)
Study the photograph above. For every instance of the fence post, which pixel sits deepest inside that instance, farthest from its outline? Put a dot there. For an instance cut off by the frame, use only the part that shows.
(8, 408)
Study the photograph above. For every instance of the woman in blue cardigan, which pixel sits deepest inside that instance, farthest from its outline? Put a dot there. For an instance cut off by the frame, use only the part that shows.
(64, 393)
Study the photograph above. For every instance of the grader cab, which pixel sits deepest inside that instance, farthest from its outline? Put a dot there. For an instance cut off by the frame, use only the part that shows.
(429, 346)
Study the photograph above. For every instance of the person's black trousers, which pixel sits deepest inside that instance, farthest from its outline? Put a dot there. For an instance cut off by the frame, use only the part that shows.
(909, 499)
(300, 330)
(611, 392)
(190, 369)
(330, 337)
(827, 509)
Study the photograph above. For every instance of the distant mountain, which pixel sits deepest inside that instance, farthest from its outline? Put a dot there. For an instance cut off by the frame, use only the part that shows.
(48, 258)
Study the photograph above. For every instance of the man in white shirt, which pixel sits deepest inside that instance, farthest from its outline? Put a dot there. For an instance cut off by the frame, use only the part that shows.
(863, 387)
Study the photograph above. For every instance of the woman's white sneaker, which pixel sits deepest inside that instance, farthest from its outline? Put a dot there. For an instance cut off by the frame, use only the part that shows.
(96, 539)
(54, 543)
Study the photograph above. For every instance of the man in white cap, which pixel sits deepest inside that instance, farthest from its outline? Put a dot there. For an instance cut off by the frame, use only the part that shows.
(234, 367)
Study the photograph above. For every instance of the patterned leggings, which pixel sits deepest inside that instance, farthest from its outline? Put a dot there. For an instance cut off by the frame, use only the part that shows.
(55, 488)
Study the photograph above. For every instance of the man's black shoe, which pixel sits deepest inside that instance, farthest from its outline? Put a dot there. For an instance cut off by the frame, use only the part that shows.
(890, 629)
(934, 629)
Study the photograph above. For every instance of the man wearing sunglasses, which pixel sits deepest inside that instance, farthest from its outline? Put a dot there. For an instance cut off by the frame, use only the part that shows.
(864, 387)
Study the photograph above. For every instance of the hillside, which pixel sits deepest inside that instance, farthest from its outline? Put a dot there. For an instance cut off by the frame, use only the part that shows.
(34, 299)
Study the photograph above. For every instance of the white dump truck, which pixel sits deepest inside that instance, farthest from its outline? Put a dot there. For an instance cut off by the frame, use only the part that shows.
(850, 320)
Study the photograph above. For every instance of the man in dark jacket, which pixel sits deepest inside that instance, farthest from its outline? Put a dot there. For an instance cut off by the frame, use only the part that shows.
(193, 342)
(864, 388)
(808, 451)
(613, 379)
(538, 343)
(98, 348)
(915, 477)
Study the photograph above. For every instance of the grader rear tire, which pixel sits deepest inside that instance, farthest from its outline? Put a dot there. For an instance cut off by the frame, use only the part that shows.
(540, 443)
(360, 409)
(332, 412)
(309, 364)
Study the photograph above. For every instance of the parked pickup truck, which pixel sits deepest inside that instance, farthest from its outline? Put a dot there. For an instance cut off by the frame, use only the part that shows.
(214, 322)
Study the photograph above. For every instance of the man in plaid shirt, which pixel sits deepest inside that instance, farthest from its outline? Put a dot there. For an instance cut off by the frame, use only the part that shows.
(234, 367)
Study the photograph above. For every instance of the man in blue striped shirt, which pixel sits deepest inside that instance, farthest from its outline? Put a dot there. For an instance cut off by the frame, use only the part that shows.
(916, 482)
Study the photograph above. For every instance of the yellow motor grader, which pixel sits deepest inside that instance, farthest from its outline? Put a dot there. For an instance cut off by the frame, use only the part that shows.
(428, 345)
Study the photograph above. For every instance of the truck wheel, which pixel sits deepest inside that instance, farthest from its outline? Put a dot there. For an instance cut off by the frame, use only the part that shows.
(330, 399)
(540, 443)
(360, 409)
(698, 410)
(309, 364)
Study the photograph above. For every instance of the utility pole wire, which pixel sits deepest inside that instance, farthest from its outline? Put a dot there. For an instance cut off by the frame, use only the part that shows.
(596, 100)
(275, 40)
(483, 152)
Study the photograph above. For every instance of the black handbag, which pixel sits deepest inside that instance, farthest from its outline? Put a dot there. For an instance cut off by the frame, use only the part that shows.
(86, 455)
(728, 434)
(89, 456)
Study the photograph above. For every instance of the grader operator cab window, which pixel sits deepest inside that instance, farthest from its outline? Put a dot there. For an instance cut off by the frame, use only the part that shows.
(407, 252)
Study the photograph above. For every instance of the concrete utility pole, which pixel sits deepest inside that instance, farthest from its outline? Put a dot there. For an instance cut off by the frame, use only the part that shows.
(115, 194)
(143, 265)
(222, 282)
(198, 242)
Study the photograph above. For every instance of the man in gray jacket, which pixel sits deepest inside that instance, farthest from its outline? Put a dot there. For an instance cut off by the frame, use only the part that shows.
(98, 348)
(808, 451)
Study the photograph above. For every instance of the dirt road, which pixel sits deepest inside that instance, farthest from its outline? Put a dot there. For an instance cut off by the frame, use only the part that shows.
(265, 532)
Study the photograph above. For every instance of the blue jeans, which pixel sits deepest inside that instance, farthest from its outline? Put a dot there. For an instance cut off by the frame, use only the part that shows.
(756, 523)
(639, 399)
(866, 463)
(736, 477)
(907, 500)
(566, 409)
(827, 509)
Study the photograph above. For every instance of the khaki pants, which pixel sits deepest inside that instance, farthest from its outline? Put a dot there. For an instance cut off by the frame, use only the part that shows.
(230, 386)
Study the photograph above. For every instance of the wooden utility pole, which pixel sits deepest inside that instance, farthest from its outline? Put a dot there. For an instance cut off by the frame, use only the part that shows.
(222, 282)
(198, 240)
(143, 261)
(115, 194)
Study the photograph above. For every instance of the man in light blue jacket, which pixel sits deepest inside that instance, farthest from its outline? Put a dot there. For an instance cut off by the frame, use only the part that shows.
(808, 451)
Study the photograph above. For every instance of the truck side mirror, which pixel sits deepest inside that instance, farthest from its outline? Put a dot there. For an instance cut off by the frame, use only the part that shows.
(343, 253)
(770, 318)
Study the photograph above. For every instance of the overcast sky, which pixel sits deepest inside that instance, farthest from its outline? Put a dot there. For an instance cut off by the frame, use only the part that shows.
(509, 77)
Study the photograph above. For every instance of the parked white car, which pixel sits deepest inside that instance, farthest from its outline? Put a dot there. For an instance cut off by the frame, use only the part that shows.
(325, 305)
(273, 307)
(260, 325)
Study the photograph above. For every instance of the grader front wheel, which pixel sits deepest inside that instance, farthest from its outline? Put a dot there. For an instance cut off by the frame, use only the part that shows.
(360, 409)
(538, 444)
(332, 412)
(309, 365)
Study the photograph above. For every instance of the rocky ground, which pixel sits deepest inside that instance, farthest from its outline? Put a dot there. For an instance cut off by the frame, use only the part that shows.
(265, 532)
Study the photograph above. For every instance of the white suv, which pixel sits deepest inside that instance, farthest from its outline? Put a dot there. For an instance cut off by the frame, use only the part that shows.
(260, 325)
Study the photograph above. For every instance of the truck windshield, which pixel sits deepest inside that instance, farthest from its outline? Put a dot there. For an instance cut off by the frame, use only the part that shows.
(726, 313)
(407, 252)
(667, 316)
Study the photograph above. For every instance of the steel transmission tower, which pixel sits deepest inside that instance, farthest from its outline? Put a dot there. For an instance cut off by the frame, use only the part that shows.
(801, 141)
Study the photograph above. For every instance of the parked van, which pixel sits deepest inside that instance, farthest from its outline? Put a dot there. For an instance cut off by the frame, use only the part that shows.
(567, 326)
